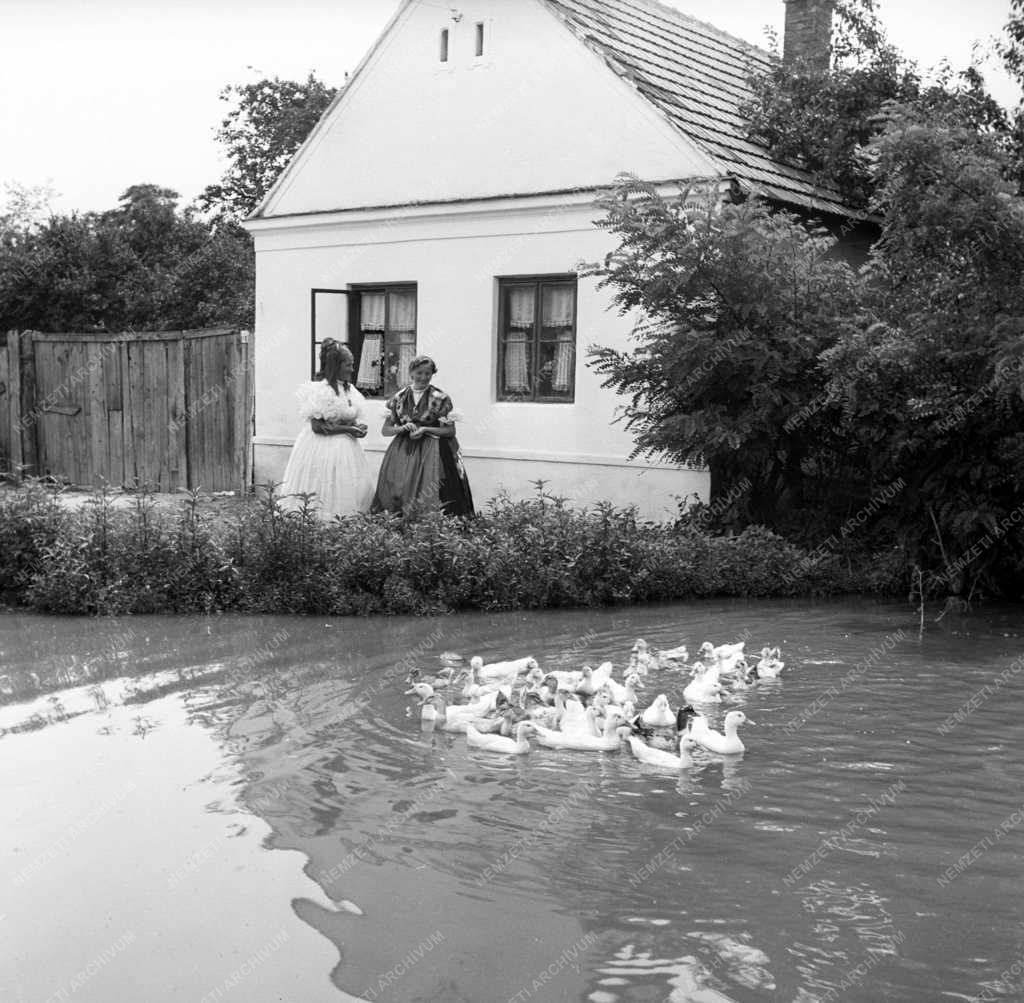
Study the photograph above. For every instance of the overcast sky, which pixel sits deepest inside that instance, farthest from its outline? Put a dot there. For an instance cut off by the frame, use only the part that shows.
(97, 95)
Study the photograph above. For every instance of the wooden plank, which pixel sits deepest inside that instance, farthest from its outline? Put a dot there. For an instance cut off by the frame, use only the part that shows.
(242, 409)
(5, 409)
(250, 411)
(177, 420)
(206, 413)
(29, 425)
(95, 397)
(219, 353)
(135, 441)
(127, 432)
(46, 428)
(14, 404)
(130, 337)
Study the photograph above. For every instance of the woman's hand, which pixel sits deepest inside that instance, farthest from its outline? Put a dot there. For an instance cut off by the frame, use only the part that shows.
(359, 431)
(410, 427)
(418, 432)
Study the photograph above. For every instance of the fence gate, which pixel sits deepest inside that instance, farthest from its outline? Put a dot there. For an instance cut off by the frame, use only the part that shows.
(166, 409)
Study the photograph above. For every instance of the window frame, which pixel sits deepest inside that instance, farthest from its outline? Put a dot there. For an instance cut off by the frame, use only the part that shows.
(538, 282)
(356, 332)
(315, 343)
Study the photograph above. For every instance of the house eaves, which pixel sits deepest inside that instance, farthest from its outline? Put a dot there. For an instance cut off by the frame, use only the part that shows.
(697, 77)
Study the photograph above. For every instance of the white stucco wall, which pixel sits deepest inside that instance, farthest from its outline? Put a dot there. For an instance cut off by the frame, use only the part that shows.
(455, 257)
(539, 112)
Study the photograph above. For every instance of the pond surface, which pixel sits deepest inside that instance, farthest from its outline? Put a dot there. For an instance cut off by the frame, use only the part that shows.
(232, 808)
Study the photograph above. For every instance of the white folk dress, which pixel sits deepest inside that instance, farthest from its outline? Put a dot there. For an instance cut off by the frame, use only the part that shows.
(333, 467)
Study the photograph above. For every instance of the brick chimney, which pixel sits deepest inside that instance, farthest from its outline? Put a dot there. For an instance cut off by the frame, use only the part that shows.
(808, 33)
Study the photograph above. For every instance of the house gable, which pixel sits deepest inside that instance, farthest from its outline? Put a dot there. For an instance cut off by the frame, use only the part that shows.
(537, 112)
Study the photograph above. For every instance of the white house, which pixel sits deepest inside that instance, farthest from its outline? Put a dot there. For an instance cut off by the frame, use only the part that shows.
(444, 203)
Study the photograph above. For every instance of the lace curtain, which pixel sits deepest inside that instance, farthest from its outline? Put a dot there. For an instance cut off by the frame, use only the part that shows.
(559, 312)
(517, 341)
(402, 321)
(371, 322)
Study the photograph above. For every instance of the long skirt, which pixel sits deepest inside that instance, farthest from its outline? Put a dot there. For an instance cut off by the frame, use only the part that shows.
(423, 471)
(334, 468)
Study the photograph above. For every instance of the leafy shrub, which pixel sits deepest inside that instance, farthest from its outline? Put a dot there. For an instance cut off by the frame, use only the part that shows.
(523, 554)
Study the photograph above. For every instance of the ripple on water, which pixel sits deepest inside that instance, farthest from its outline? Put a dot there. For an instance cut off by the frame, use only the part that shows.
(413, 829)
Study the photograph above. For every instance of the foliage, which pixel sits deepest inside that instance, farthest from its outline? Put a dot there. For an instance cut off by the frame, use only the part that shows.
(102, 559)
(268, 121)
(826, 122)
(143, 265)
(738, 304)
(25, 207)
(935, 393)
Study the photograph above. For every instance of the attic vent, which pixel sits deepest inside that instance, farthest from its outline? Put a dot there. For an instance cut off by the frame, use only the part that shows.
(444, 45)
(479, 38)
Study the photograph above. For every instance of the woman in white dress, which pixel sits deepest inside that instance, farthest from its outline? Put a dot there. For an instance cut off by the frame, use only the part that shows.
(327, 460)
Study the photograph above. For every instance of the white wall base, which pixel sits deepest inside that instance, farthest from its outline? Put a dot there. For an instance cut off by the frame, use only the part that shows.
(652, 489)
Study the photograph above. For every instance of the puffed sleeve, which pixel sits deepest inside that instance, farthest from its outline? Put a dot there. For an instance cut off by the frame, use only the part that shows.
(311, 401)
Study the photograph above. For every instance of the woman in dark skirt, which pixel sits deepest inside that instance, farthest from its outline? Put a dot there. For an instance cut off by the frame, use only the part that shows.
(423, 464)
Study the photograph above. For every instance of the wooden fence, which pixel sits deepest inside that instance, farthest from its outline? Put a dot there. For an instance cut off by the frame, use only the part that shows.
(165, 409)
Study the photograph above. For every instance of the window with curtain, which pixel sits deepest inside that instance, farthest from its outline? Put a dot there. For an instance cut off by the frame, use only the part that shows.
(387, 328)
(537, 339)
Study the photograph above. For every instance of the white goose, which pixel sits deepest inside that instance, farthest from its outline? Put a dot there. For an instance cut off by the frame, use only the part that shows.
(728, 744)
(704, 687)
(679, 654)
(517, 746)
(624, 692)
(643, 657)
(725, 656)
(434, 709)
(659, 714)
(609, 741)
(575, 720)
(508, 671)
(770, 664)
(657, 757)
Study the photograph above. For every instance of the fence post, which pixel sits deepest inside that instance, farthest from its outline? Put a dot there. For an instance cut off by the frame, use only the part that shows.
(245, 413)
(14, 402)
(28, 425)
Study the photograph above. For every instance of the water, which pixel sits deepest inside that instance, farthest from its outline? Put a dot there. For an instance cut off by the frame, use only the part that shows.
(234, 808)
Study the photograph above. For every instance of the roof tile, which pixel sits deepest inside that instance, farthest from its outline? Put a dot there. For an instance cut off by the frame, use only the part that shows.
(697, 76)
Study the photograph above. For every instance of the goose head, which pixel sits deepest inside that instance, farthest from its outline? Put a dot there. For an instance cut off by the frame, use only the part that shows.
(684, 715)
(734, 719)
(422, 690)
(613, 722)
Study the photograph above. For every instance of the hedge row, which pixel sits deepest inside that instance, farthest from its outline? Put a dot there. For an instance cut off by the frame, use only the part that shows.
(100, 559)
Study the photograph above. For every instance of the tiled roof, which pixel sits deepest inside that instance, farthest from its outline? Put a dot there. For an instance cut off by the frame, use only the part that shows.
(697, 77)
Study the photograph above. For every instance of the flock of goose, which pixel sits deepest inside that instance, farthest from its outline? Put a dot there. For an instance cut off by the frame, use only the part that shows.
(508, 703)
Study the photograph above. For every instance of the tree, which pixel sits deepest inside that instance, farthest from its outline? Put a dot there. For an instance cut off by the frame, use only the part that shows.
(268, 121)
(936, 396)
(143, 265)
(25, 206)
(825, 122)
(738, 304)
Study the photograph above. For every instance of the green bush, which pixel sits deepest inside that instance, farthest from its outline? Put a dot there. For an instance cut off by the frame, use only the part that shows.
(516, 555)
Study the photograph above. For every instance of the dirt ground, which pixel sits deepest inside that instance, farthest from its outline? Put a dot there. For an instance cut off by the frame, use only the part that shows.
(217, 503)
